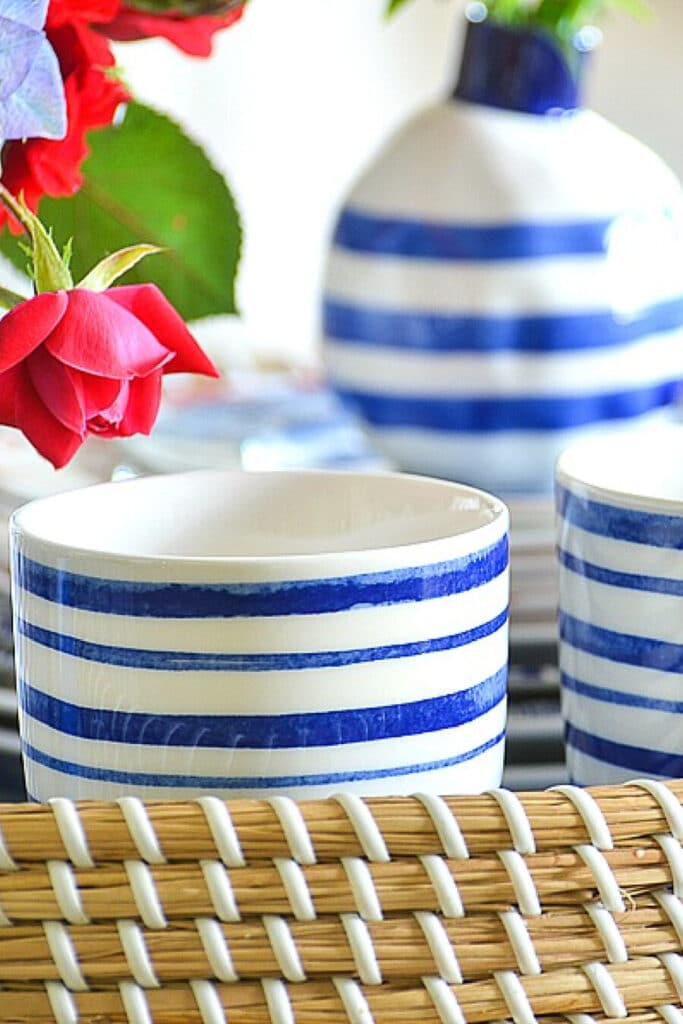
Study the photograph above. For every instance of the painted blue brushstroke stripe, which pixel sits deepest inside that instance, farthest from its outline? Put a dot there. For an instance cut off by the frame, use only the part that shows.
(250, 781)
(611, 696)
(651, 528)
(451, 332)
(637, 759)
(643, 651)
(266, 732)
(230, 600)
(628, 580)
(434, 240)
(199, 661)
(479, 415)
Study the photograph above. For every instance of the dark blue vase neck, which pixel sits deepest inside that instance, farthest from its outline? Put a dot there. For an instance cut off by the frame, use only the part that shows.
(517, 69)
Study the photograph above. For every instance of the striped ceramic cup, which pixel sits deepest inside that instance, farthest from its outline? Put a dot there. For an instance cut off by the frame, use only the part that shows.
(620, 531)
(250, 634)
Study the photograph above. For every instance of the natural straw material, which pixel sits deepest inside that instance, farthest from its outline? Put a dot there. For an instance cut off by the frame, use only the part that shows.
(466, 910)
(31, 833)
(480, 945)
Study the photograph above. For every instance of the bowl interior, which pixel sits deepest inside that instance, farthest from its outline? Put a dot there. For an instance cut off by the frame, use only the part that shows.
(639, 468)
(238, 515)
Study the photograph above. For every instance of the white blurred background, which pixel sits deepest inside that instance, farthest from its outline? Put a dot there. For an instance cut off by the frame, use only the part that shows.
(298, 96)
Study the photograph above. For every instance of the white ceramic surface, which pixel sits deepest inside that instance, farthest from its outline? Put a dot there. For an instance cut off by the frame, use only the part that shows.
(502, 283)
(620, 545)
(261, 633)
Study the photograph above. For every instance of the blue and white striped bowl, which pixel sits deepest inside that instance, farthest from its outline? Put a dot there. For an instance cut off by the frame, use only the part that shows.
(261, 633)
(501, 284)
(620, 533)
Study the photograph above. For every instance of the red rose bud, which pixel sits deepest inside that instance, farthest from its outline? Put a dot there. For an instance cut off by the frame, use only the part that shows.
(85, 360)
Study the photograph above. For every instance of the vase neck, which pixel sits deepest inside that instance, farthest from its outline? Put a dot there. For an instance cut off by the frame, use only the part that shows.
(517, 69)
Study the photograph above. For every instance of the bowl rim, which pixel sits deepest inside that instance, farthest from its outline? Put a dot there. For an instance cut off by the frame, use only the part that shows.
(95, 560)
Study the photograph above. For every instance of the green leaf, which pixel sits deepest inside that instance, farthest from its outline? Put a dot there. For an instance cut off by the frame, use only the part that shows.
(393, 6)
(112, 267)
(47, 268)
(9, 299)
(145, 181)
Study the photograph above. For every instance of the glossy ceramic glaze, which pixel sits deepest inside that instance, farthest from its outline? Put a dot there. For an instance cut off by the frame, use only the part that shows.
(502, 282)
(620, 546)
(254, 634)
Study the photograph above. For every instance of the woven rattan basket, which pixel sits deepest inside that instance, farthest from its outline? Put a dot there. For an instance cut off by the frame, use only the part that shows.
(564, 904)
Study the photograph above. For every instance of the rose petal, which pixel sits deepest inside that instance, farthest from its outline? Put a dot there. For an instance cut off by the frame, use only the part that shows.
(143, 406)
(105, 423)
(99, 393)
(26, 326)
(58, 389)
(150, 305)
(97, 336)
(54, 441)
(8, 396)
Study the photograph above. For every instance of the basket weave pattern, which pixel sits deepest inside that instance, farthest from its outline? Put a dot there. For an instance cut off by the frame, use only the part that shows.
(459, 910)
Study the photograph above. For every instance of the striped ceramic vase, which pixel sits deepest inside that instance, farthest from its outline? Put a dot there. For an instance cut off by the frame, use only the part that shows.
(507, 276)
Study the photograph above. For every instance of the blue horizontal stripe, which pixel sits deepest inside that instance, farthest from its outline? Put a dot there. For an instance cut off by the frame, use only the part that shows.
(642, 651)
(434, 240)
(296, 597)
(637, 759)
(451, 332)
(202, 782)
(479, 415)
(612, 578)
(266, 732)
(651, 528)
(611, 696)
(200, 661)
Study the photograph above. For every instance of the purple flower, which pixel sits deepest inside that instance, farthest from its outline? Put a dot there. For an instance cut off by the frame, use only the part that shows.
(31, 88)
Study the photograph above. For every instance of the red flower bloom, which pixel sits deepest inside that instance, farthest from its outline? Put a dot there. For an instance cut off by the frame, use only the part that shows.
(193, 35)
(40, 167)
(74, 363)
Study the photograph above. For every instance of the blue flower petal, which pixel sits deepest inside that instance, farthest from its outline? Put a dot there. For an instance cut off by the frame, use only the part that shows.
(31, 13)
(19, 47)
(37, 109)
(32, 103)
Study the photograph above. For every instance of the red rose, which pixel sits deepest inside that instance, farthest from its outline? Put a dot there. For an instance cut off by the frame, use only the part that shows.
(193, 35)
(74, 363)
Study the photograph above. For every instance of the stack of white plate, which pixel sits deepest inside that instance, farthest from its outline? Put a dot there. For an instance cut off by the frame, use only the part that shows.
(533, 572)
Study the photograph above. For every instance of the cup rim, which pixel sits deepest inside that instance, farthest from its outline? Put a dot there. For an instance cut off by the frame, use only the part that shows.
(625, 497)
(424, 551)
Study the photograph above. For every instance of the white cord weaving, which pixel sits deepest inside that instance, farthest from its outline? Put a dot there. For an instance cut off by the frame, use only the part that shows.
(71, 832)
(141, 829)
(294, 828)
(223, 831)
(515, 997)
(522, 882)
(519, 826)
(216, 949)
(445, 825)
(62, 1003)
(444, 885)
(606, 990)
(208, 1002)
(136, 953)
(364, 825)
(277, 1001)
(219, 888)
(145, 894)
(440, 946)
(594, 820)
(353, 1001)
(445, 1002)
